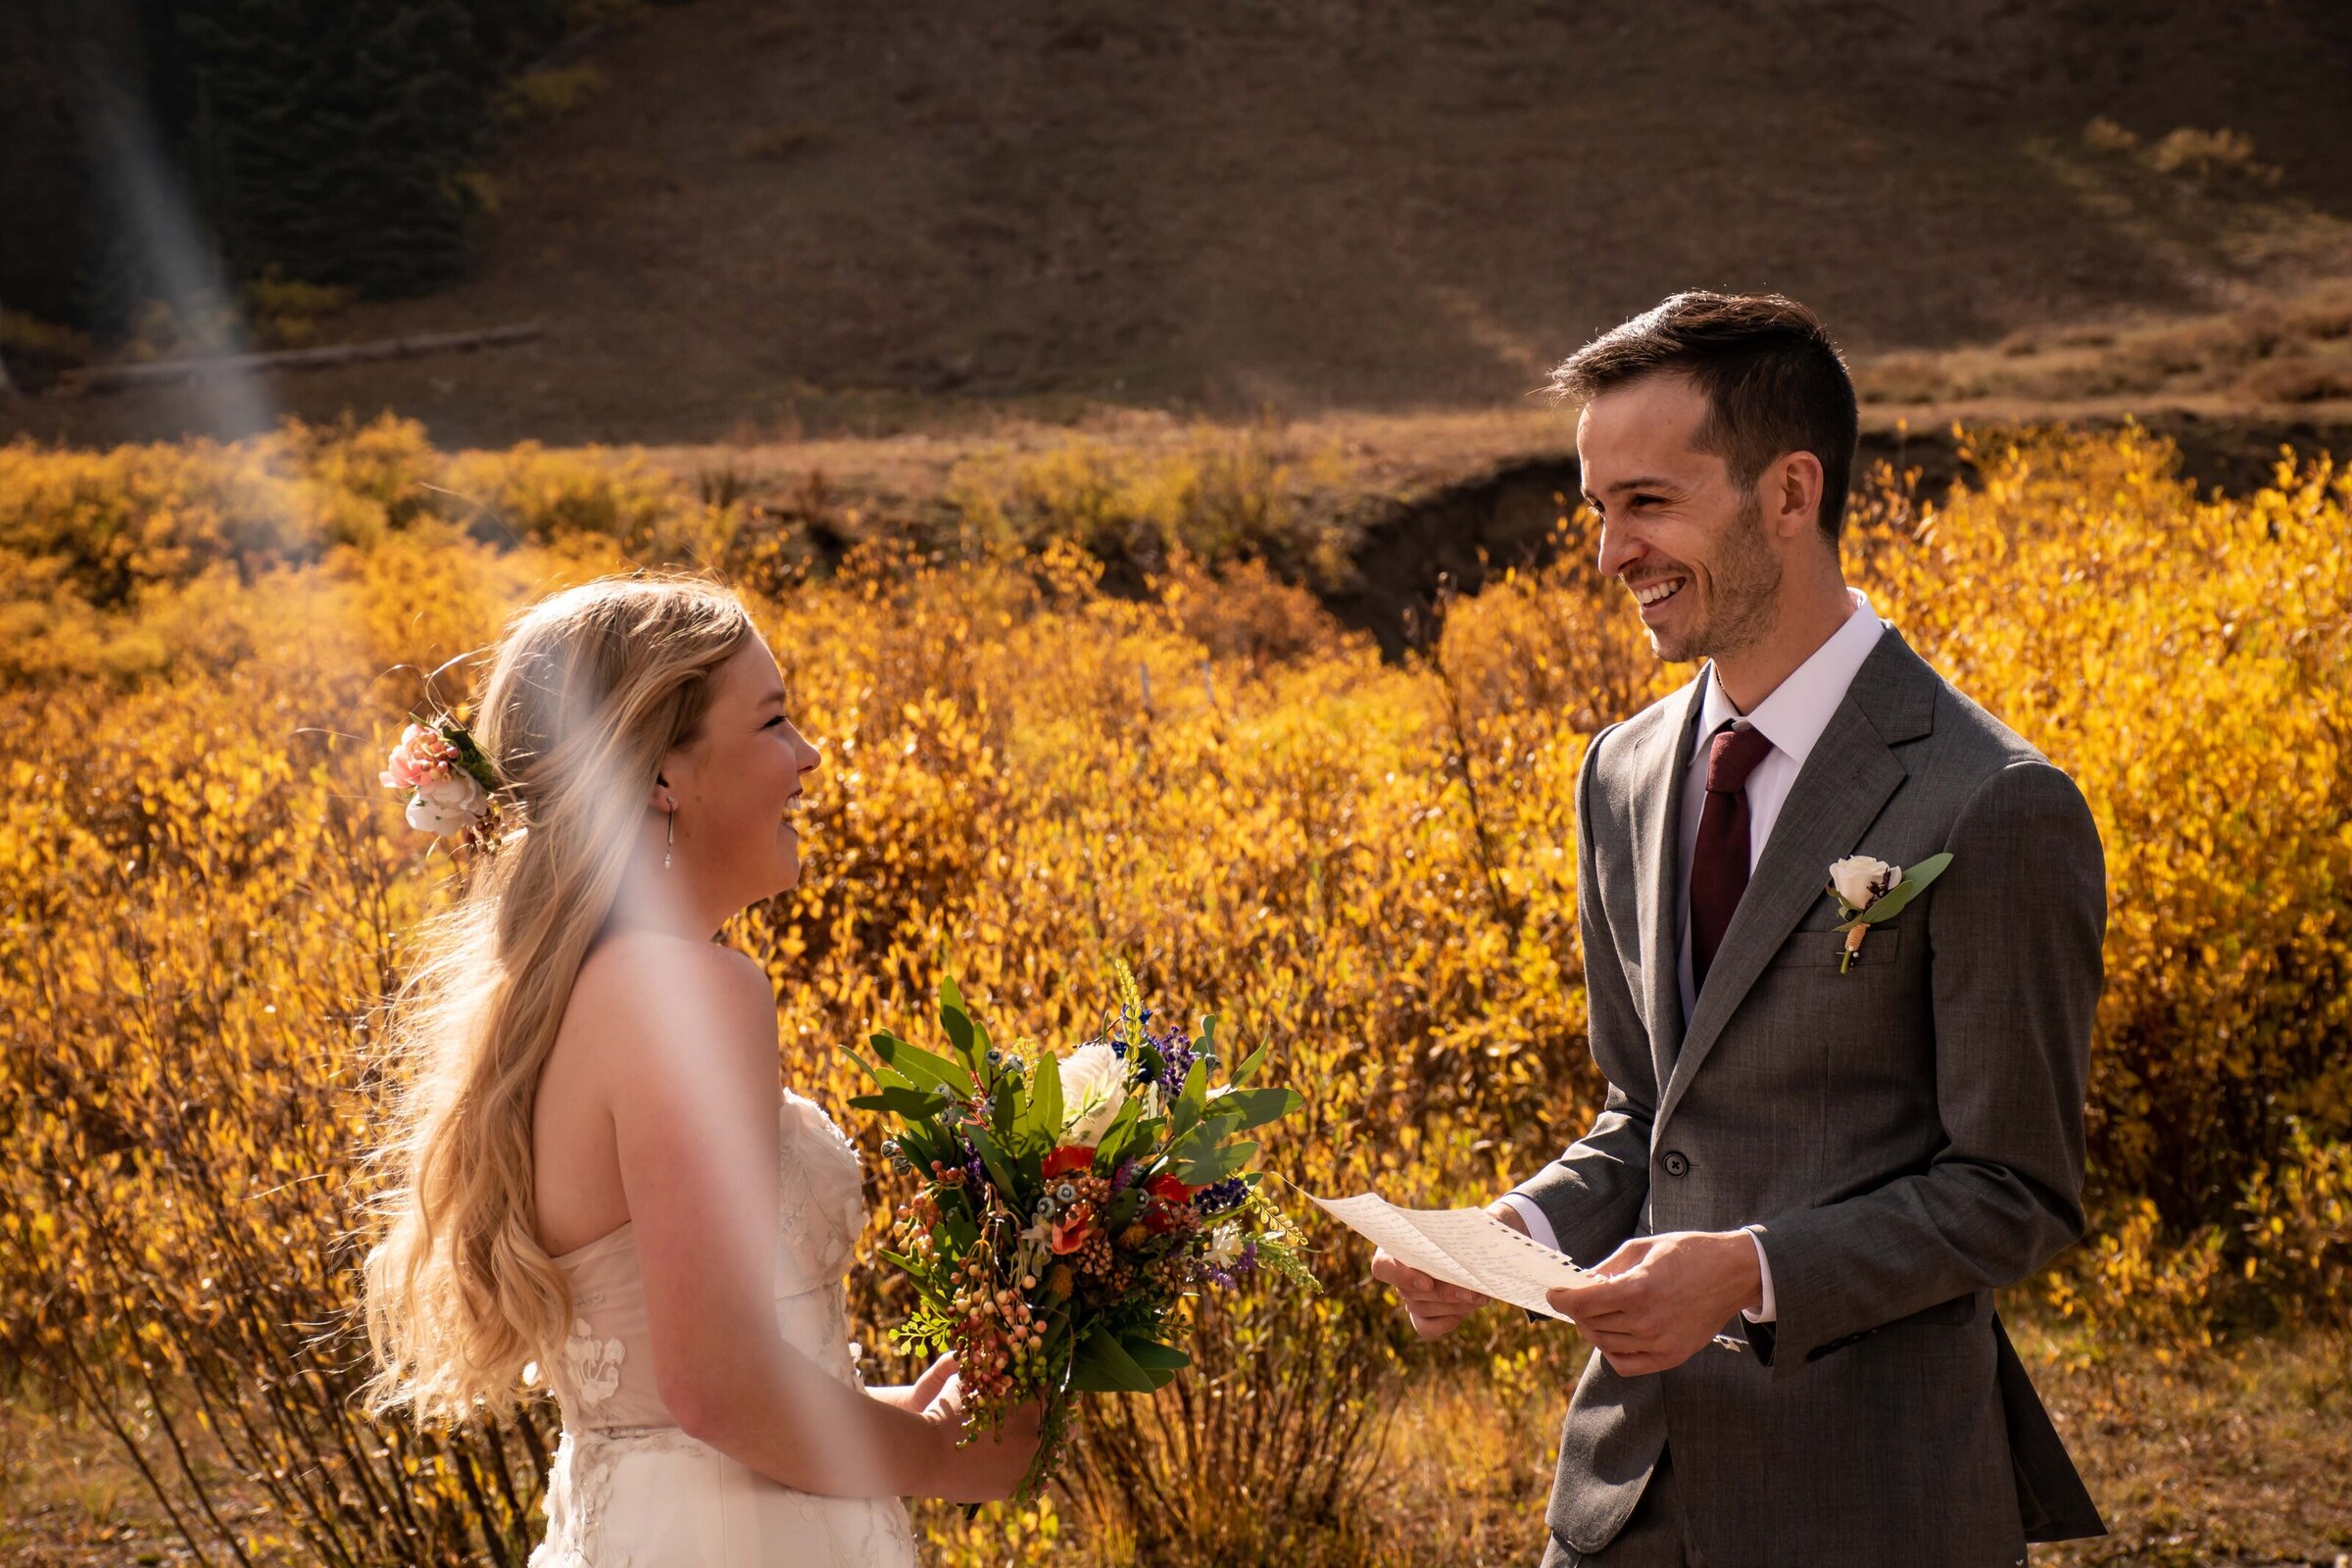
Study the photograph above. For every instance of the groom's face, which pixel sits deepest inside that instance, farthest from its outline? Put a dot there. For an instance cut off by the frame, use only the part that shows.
(1689, 545)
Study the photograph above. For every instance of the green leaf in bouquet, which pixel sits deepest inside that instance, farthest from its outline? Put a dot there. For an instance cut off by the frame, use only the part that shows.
(1249, 1067)
(1204, 1039)
(1124, 1129)
(888, 1077)
(1192, 1101)
(957, 1020)
(919, 1066)
(1043, 1115)
(1004, 1110)
(1216, 1165)
(911, 1104)
(1123, 1209)
(1160, 1362)
(1199, 1141)
(1254, 1107)
(1104, 1366)
(992, 1155)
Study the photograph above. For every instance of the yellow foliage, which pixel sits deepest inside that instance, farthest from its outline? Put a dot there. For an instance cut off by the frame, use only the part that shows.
(1369, 865)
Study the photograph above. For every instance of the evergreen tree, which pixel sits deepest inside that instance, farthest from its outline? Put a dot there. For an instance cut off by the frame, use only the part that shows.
(332, 138)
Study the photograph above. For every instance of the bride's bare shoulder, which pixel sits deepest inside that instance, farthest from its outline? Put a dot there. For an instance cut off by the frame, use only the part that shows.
(641, 988)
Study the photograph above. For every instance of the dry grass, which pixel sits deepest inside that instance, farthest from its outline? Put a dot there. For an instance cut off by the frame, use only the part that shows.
(2234, 1456)
(2289, 350)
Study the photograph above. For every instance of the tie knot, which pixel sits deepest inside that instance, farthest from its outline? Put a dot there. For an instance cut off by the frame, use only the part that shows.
(1733, 753)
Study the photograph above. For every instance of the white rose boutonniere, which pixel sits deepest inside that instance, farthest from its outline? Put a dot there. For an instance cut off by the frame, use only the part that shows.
(1868, 891)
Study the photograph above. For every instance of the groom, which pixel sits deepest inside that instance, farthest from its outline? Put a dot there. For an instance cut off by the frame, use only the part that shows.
(1839, 1166)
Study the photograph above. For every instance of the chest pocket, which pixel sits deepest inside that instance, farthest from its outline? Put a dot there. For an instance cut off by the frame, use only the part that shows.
(1822, 948)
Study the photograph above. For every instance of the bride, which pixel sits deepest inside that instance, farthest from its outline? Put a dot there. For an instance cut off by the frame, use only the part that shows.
(593, 1170)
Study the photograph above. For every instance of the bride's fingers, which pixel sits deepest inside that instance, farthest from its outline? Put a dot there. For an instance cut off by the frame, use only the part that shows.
(935, 1378)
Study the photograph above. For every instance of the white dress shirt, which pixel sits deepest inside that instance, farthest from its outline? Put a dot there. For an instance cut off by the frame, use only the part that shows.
(1791, 717)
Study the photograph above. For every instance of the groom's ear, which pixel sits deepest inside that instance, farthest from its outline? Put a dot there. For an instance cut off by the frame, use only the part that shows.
(1793, 493)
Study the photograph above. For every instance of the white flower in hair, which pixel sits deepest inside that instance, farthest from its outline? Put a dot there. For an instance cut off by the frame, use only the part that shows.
(447, 778)
(447, 804)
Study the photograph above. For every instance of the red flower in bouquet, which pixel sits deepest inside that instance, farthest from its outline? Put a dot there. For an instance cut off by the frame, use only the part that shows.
(1168, 1190)
(1073, 1229)
(1060, 1223)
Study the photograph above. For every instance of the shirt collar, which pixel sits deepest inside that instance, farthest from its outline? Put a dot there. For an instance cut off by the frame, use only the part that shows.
(1798, 710)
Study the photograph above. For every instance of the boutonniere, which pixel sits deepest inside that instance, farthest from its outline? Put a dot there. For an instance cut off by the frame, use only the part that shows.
(1868, 891)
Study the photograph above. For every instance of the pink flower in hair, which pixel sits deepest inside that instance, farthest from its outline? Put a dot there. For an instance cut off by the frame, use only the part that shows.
(421, 757)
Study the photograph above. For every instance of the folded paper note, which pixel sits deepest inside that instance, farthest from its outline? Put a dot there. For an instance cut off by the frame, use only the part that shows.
(1469, 1247)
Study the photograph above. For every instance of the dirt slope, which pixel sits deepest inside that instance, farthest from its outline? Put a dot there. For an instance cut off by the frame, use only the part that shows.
(781, 215)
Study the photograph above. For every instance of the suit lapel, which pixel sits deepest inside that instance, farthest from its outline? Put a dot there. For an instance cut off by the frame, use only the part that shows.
(1660, 869)
(1845, 782)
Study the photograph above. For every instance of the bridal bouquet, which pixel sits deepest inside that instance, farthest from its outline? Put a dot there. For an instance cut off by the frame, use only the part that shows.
(1068, 1204)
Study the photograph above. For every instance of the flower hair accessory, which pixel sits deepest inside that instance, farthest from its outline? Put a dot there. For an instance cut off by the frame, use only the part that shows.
(451, 785)
(1868, 891)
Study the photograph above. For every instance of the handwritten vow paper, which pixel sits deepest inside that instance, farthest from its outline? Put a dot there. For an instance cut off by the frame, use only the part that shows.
(1466, 1246)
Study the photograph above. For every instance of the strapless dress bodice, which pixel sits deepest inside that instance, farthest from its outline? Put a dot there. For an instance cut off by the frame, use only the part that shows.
(627, 1488)
(604, 1377)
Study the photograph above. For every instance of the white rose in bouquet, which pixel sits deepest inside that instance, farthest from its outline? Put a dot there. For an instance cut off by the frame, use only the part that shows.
(1094, 1088)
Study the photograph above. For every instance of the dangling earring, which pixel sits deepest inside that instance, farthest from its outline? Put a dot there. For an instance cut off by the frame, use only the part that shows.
(669, 843)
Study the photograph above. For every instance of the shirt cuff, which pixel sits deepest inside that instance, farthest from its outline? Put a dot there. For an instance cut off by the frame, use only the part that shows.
(1539, 1228)
(1770, 1311)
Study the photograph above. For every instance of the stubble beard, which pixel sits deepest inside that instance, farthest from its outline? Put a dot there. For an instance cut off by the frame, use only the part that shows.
(1747, 598)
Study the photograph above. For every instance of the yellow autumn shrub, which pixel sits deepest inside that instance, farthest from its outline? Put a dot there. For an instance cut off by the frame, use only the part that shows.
(1368, 865)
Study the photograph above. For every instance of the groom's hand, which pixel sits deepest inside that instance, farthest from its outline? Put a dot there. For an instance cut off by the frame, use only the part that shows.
(1658, 1300)
(1433, 1306)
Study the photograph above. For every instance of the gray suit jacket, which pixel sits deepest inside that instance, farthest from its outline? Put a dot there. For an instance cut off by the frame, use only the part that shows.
(1909, 1135)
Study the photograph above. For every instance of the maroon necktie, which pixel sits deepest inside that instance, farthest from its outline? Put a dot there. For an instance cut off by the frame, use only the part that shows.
(1719, 859)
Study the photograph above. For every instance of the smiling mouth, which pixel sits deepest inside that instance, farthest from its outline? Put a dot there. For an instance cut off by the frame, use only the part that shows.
(1657, 591)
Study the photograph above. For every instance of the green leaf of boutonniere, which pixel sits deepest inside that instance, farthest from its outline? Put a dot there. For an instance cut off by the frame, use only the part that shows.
(1914, 881)
(1889, 904)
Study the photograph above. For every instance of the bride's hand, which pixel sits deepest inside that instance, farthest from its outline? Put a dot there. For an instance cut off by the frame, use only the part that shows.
(918, 1395)
(991, 1466)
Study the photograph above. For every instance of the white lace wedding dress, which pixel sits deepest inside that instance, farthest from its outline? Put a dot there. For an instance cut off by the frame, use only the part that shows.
(628, 1489)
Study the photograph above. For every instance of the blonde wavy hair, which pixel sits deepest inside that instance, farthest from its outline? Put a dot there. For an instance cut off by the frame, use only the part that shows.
(590, 688)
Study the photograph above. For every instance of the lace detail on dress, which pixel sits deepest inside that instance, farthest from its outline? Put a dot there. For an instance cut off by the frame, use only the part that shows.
(819, 1206)
(625, 1489)
(579, 1492)
(592, 1366)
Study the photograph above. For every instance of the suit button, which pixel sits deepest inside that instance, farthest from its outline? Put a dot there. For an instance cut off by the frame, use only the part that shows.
(1676, 1164)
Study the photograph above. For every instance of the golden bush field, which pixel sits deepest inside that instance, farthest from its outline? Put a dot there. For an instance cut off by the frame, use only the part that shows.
(207, 649)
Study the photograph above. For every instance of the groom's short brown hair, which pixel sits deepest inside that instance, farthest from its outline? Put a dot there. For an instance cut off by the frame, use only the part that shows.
(1773, 380)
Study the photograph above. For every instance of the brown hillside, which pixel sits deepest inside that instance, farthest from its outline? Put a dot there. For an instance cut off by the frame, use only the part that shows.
(775, 218)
